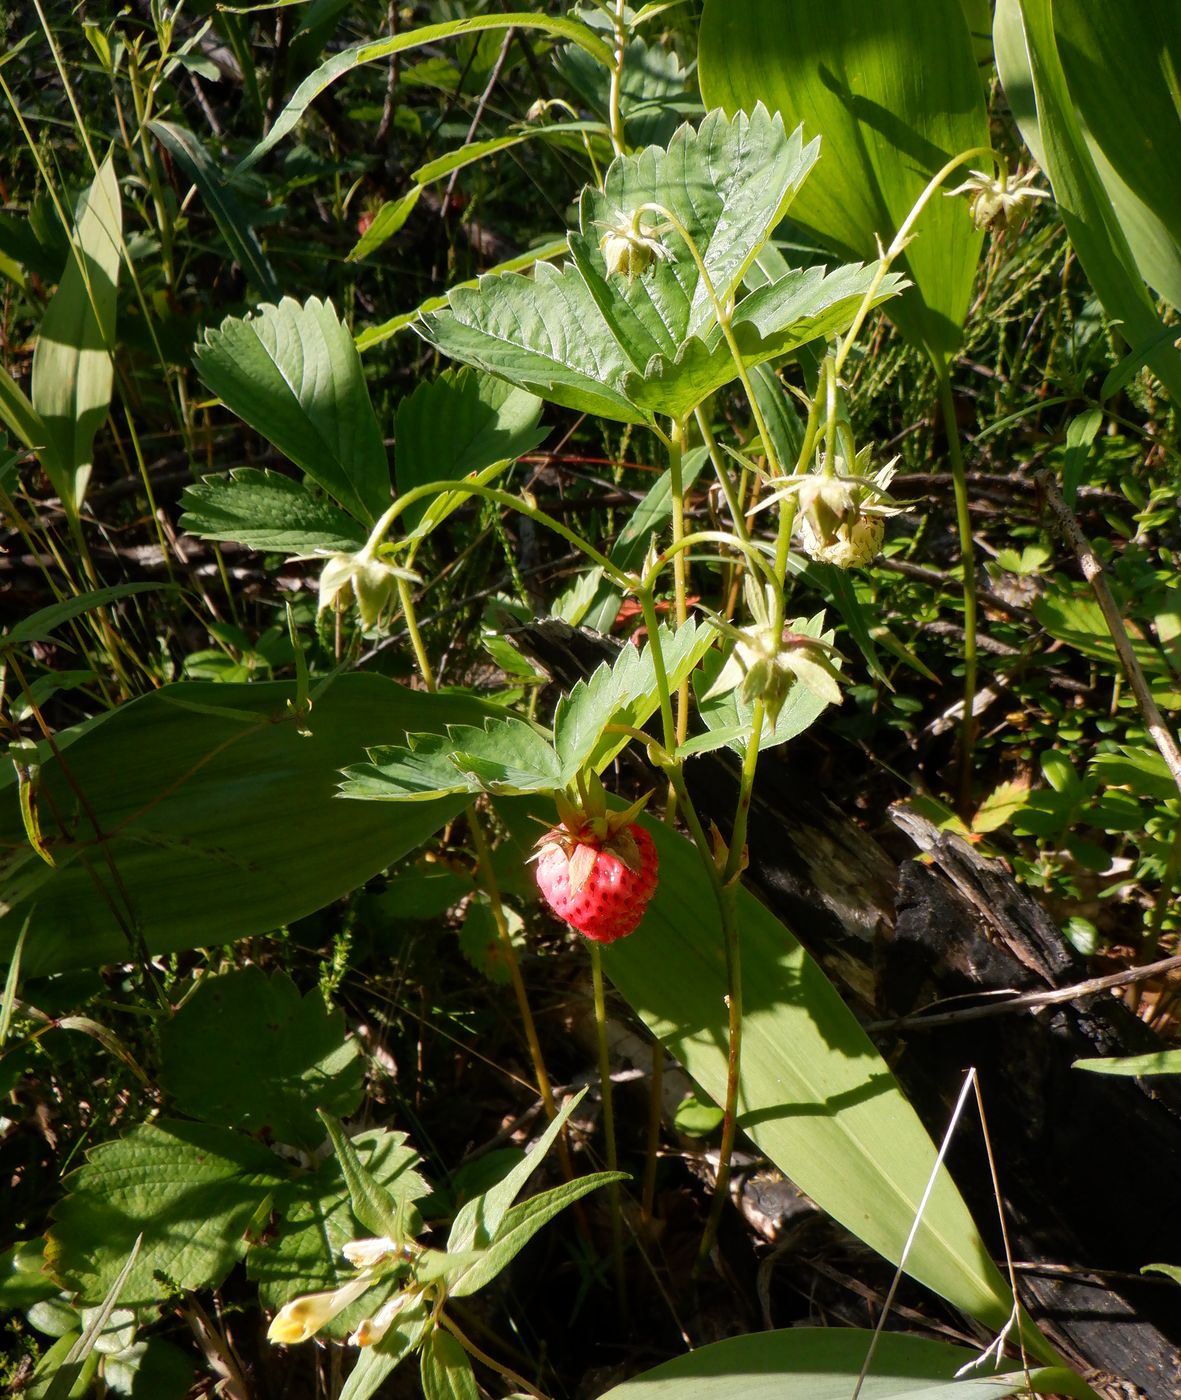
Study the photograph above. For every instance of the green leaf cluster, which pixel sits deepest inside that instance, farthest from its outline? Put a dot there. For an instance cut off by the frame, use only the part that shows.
(631, 349)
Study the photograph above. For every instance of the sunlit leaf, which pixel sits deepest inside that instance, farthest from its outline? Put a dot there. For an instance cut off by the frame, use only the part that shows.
(894, 93)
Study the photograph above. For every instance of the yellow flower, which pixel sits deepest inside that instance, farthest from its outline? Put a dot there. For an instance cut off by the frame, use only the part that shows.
(303, 1317)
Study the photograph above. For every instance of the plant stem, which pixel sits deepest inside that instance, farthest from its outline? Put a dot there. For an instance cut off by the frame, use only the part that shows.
(730, 875)
(482, 1356)
(609, 1124)
(968, 564)
(615, 91)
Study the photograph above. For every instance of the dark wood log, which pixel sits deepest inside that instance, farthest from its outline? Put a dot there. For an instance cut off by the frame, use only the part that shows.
(1088, 1164)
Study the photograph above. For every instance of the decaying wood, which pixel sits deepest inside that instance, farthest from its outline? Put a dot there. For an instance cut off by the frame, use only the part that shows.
(1088, 1163)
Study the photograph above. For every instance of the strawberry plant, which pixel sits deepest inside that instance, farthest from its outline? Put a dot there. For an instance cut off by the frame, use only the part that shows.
(680, 322)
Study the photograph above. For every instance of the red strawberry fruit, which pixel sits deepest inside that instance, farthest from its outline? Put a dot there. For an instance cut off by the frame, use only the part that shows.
(597, 873)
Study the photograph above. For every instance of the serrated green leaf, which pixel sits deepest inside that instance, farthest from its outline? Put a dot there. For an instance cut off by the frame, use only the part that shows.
(375, 335)
(518, 1226)
(543, 333)
(445, 1369)
(729, 184)
(72, 367)
(457, 424)
(480, 941)
(231, 213)
(293, 373)
(303, 1255)
(264, 510)
(479, 1220)
(505, 756)
(650, 344)
(623, 693)
(286, 1057)
(189, 1188)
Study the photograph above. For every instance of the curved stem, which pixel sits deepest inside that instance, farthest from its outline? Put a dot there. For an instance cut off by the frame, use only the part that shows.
(424, 664)
(510, 502)
(482, 1356)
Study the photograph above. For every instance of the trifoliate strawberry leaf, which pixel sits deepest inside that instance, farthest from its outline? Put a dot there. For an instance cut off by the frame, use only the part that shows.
(190, 1189)
(287, 1057)
(591, 338)
(293, 373)
(303, 1255)
(728, 184)
(264, 510)
(624, 693)
(459, 423)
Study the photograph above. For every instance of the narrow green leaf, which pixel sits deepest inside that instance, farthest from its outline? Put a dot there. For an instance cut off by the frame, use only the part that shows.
(849, 71)
(19, 415)
(1158, 1062)
(347, 59)
(520, 1224)
(1108, 52)
(814, 1090)
(445, 1369)
(1028, 58)
(229, 212)
(386, 222)
(45, 621)
(293, 373)
(264, 510)
(479, 1220)
(374, 1206)
(72, 368)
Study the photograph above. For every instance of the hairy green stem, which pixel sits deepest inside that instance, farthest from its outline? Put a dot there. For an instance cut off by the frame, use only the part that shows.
(615, 90)
(730, 875)
(609, 1122)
